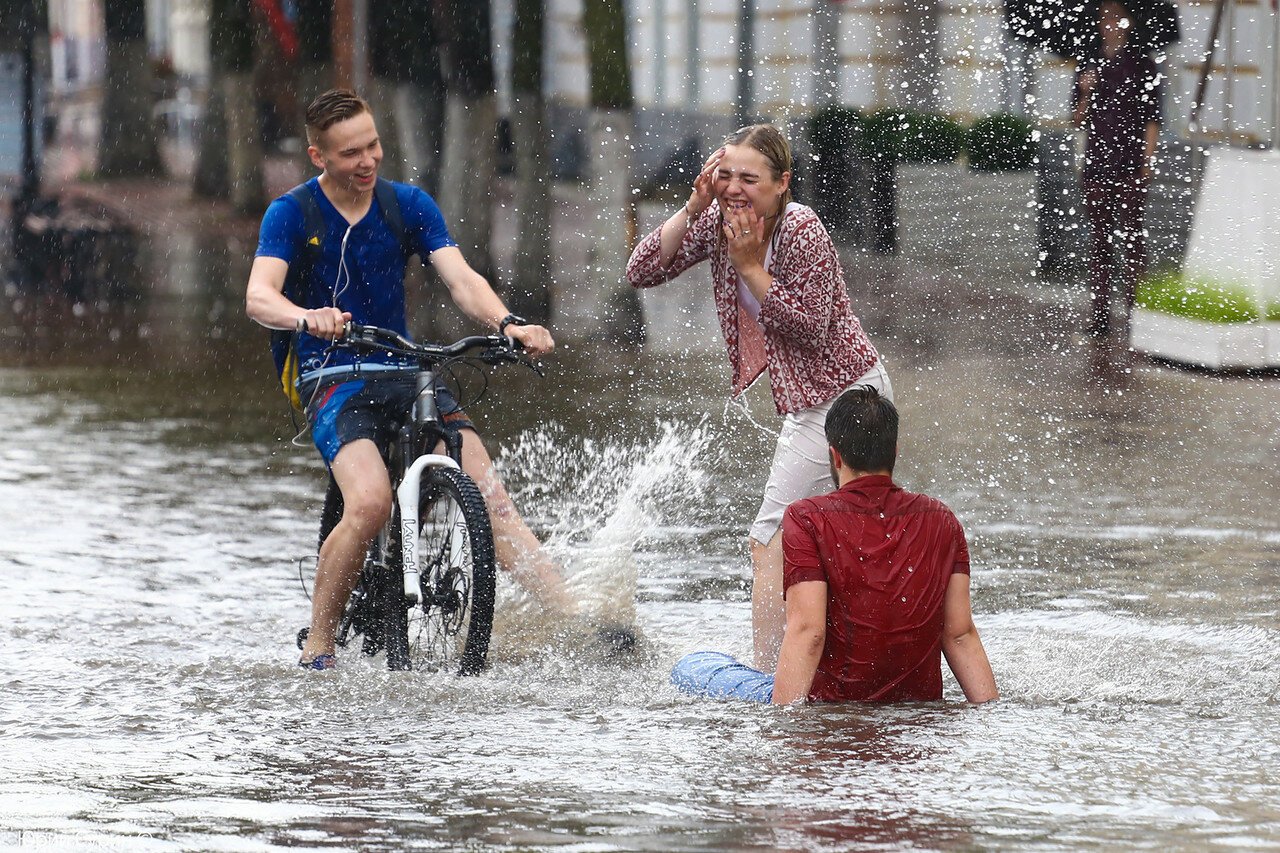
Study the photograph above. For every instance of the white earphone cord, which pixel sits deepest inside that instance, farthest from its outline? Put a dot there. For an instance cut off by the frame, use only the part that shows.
(339, 287)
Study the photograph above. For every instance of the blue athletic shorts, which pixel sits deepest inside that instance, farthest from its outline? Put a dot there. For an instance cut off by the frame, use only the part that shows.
(370, 406)
(715, 675)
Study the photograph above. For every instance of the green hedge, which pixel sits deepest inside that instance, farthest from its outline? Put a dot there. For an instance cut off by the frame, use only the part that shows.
(997, 143)
(897, 136)
(1001, 143)
(1197, 299)
(834, 129)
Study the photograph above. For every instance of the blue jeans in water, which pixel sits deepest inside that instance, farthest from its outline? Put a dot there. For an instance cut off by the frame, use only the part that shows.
(715, 675)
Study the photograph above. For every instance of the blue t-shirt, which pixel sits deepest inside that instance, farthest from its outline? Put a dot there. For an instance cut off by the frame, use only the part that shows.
(367, 278)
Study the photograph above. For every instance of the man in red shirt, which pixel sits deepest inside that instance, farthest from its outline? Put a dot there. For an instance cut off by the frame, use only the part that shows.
(876, 581)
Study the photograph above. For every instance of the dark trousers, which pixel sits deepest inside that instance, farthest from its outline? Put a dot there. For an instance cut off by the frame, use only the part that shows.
(1118, 253)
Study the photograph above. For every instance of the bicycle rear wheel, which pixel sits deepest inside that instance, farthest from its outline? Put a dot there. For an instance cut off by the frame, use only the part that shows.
(450, 630)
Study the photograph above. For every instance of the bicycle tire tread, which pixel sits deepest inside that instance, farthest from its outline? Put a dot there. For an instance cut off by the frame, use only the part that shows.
(483, 558)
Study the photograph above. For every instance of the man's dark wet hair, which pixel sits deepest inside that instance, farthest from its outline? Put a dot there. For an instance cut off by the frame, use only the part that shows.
(330, 108)
(863, 426)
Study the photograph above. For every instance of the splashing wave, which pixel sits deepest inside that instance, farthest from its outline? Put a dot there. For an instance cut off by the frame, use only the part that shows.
(597, 501)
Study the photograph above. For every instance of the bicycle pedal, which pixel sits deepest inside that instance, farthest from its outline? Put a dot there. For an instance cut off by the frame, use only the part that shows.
(371, 645)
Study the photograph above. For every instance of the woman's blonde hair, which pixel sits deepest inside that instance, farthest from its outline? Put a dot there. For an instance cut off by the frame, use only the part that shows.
(770, 142)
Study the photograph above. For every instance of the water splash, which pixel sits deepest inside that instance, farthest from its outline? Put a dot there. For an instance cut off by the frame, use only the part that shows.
(597, 502)
(1110, 660)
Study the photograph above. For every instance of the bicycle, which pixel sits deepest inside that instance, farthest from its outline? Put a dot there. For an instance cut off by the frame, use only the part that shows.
(428, 580)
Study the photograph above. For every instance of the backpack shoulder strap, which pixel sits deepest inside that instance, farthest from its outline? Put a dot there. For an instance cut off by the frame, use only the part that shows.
(284, 347)
(312, 221)
(391, 214)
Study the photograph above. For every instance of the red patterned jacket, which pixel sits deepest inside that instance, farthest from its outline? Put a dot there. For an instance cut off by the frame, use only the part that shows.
(807, 336)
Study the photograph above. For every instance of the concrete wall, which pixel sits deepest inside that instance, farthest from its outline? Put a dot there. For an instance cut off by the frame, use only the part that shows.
(1239, 102)
(684, 61)
(1235, 239)
(76, 44)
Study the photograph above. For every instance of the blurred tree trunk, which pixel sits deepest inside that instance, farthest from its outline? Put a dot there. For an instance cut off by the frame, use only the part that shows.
(240, 96)
(430, 92)
(388, 46)
(614, 307)
(211, 179)
(918, 39)
(530, 294)
(406, 84)
(231, 146)
(313, 74)
(471, 120)
(127, 144)
(420, 99)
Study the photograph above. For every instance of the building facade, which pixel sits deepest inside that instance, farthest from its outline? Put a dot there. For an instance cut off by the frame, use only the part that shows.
(953, 56)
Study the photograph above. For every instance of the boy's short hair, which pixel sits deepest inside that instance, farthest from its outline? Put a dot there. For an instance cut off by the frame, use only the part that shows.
(330, 108)
(863, 426)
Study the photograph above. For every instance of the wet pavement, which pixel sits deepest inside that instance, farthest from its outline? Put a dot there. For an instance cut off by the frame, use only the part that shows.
(1123, 518)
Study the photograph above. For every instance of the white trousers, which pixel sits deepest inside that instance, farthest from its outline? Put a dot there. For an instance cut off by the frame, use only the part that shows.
(801, 465)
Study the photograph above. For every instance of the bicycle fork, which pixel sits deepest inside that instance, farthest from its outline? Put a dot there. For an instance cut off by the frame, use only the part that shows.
(407, 496)
(408, 493)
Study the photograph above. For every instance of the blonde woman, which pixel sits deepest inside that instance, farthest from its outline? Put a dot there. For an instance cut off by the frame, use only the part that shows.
(783, 308)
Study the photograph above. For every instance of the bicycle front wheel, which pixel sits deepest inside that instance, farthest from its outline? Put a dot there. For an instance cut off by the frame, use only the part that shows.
(450, 630)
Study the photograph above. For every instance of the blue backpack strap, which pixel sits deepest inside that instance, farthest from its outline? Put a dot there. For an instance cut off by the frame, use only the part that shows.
(385, 192)
(312, 229)
(284, 348)
(283, 343)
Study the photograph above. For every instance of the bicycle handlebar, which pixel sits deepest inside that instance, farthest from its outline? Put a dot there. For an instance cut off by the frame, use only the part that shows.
(498, 348)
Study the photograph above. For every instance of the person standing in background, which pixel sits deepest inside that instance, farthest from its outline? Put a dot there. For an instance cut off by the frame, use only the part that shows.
(1118, 107)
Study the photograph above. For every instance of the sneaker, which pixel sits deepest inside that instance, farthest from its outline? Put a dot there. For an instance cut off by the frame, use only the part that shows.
(616, 640)
(320, 662)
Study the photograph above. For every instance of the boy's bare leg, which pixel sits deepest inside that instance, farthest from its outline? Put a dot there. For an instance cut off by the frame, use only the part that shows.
(518, 550)
(359, 471)
(768, 614)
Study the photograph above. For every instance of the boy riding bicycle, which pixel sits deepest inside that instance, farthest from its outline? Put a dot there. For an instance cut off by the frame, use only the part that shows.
(353, 269)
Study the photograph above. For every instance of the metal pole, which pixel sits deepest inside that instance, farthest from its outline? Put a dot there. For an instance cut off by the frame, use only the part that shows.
(30, 132)
(1275, 76)
(746, 39)
(1229, 85)
(826, 53)
(692, 68)
(659, 53)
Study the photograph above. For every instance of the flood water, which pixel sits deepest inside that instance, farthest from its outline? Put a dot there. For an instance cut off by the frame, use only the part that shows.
(1124, 525)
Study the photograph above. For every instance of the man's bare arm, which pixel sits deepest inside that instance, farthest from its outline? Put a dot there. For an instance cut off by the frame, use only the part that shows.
(803, 641)
(265, 302)
(475, 298)
(1084, 88)
(962, 646)
(1149, 142)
